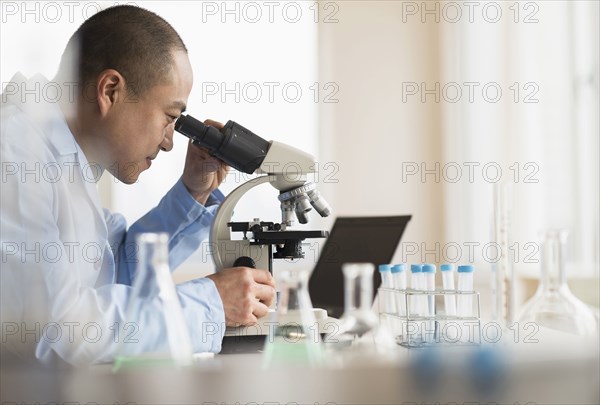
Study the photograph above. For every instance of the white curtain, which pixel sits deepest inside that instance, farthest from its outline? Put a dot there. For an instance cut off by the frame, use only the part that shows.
(542, 132)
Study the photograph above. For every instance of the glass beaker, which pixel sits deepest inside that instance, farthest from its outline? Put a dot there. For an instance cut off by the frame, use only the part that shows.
(158, 334)
(553, 305)
(293, 338)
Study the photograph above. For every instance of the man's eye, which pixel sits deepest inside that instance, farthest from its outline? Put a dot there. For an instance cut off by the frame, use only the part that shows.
(172, 119)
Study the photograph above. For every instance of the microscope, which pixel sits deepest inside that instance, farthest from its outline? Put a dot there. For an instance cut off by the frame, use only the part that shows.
(281, 165)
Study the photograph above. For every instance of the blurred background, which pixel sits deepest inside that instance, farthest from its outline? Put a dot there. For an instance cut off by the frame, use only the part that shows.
(410, 108)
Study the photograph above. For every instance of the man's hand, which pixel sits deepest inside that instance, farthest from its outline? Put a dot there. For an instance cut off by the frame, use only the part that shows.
(203, 173)
(246, 293)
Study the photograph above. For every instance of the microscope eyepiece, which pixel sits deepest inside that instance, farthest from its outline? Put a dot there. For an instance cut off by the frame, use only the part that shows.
(234, 144)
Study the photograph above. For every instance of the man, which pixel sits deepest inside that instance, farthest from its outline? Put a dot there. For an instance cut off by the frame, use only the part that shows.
(68, 265)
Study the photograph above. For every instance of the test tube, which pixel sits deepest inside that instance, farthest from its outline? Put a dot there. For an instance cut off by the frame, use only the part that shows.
(416, 308)
(448, 285)
(389, 303)
(465, 284)
(399, 281)
(416, 283)
(386, 275)
(428, 271)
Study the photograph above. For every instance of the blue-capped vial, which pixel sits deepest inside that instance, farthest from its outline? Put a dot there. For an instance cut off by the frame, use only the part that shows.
(415, 268)
(397, 268)
(417, 281)
(384, 267)
(399, 276)
(465, 268)
(428, 268)
(386, 275)
(428, 271)
(465, 284)
(447, 267)
(448, 285)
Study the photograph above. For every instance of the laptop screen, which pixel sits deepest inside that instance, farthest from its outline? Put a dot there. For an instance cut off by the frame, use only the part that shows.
(353, 240)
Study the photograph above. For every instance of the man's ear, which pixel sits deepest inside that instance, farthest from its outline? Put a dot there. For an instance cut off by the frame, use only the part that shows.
(110, 89)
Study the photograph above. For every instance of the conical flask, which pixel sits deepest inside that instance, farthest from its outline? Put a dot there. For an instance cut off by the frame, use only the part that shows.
(358, 318)
(157, 332)
(553, 305)
(294, 338)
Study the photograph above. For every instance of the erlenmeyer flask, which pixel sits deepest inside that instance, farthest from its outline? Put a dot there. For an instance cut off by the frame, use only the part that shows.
(554, 306)
(293, 338)
(358, 318)
(158, 333)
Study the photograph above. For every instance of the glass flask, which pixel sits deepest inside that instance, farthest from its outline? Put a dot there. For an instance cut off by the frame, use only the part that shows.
(293, 338)
(358, 318)
(553, 305)
(156, 332)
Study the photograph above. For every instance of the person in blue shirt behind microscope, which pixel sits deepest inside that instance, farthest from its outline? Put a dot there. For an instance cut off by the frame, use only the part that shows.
(123, 80)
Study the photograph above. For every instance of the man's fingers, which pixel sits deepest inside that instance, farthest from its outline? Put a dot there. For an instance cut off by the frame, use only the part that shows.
(264, 293)
(259, 309)
(263, 277)
(209, 164)
(213, 123)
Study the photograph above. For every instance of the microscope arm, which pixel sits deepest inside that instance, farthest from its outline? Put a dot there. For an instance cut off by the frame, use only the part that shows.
(219, 230)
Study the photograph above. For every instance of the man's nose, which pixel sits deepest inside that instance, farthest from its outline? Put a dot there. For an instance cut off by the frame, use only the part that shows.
(167, 144)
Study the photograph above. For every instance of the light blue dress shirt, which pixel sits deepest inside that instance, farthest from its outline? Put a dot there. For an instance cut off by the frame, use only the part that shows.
(67, 266)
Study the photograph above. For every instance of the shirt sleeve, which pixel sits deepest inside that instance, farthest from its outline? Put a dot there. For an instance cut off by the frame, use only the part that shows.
(188, 224)
(185, 220)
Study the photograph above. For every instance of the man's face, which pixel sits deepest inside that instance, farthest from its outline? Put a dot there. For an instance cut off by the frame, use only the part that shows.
(142, 126)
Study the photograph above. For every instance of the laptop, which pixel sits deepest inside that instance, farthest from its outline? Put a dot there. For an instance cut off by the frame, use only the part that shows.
(353, 240)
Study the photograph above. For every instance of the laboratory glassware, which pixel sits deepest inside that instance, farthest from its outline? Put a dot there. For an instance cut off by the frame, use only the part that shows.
(387, 282)
(416, 284)
(358, 318)
(428, 271)
(156, 330)
(502, 281)
(465, 284)
(293, 338)
(399, 282)
(553, 305)
(448, 285)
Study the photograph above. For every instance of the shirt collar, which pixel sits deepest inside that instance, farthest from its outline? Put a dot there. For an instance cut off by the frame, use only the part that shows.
(37, 97)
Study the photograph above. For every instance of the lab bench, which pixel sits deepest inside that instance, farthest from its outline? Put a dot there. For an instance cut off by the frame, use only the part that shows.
(396, 376)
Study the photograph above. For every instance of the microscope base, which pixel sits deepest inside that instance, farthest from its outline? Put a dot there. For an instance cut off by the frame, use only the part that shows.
(251, 339)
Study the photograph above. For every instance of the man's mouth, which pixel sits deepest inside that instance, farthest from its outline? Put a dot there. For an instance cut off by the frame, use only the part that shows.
(149, 159)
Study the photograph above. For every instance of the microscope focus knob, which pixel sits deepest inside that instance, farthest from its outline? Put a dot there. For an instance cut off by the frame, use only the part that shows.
(244, 261)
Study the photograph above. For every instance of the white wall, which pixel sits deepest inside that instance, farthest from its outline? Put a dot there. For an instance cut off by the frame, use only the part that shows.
(371, 132)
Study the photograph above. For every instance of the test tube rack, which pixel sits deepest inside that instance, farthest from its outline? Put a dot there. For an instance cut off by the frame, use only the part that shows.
(401, 311)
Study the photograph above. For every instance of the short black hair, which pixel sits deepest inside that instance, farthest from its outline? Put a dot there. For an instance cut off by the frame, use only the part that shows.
(134, 41)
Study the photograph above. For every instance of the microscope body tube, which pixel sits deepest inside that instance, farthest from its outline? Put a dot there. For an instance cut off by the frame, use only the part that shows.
(448, 285)
(235, 145)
